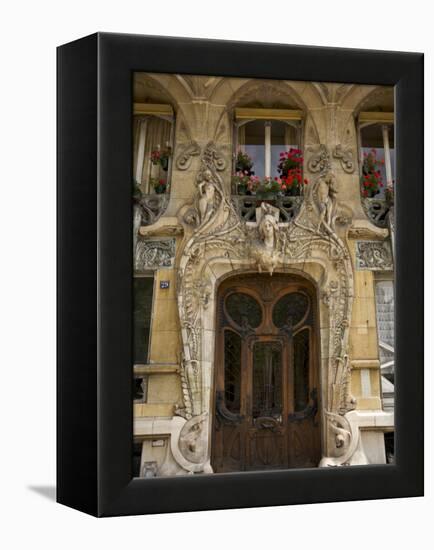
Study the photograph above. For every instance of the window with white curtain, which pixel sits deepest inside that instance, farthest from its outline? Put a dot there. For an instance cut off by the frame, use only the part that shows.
(384, 298)
(153, 146)
(385, 309)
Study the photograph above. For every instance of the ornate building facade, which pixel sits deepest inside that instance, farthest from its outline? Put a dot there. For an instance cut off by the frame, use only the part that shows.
(263, 319)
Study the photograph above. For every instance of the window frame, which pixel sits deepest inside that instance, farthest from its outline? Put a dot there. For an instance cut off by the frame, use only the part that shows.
(385, 120)
(145, 112)
(384, 276)
(143, 275)
(244, 115)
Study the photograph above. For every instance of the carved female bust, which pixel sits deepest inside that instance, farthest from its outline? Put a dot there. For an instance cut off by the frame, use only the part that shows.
(266, 252)
(268, 230)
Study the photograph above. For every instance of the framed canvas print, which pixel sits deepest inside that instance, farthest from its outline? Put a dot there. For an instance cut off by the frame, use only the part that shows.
(240, 274)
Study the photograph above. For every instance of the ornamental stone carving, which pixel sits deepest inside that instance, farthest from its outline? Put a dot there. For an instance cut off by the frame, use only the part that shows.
(377, 210)
(374, 256)
(193, 438)
(364, 230)
(184, 158)
(218, 243)
(325, 195)
(346, 156)
(319, 160)
(152, 207)
(213, 157)
(208, 200)
(219, 236)
(153, 254)
(288, 206)
(266, 249)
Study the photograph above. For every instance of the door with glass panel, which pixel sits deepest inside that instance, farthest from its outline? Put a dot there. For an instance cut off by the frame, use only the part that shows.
(266, 375)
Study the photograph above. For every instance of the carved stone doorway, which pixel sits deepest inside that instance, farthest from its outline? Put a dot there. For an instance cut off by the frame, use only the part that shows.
(266, 374)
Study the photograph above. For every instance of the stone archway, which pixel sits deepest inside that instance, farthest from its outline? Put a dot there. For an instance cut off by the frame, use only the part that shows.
(218, 244)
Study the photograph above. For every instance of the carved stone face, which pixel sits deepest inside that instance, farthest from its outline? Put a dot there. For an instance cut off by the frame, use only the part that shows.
(267, 228)
(207, 176)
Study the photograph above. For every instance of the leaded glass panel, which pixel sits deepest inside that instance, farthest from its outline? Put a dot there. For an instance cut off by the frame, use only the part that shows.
(267, 379)
(301, 370)
(244, 310)
(290, 309)
(232, 370)
(143, 291)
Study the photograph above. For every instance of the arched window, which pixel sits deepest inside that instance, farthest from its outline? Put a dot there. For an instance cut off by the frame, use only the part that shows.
(377, 163)
(264, 140)
(263, 134)
(153, 128)
(267, 159)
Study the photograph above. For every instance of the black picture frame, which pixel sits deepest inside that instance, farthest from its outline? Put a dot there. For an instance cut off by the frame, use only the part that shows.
(94, 418)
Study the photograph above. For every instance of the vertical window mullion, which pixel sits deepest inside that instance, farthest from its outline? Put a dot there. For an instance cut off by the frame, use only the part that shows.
(360, 148)
(141, 150)
(287, 137)
(388, 166)
(239, 141)
(172, 149)
(267, 148)
(242, 138)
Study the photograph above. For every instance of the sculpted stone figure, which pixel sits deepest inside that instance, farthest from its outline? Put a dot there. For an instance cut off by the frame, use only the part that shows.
(326, 192)
(266, 251)
(268, 229)
(207, 198)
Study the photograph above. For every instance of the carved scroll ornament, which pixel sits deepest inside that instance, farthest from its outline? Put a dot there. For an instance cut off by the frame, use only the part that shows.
(184, 158)
(213, 157)
(152, 207)
(346, 156)
(319, 160)
(193, 439)
(377, 210)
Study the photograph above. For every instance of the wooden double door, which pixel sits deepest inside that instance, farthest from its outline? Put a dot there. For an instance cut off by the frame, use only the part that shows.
(266, 375)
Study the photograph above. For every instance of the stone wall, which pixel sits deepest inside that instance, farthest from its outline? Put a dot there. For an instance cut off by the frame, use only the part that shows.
(211, 243)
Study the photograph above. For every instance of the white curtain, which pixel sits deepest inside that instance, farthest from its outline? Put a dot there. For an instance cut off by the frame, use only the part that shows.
(157, 134)
(385, 318)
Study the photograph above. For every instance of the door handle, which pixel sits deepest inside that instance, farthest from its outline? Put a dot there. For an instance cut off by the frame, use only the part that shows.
(267, 423)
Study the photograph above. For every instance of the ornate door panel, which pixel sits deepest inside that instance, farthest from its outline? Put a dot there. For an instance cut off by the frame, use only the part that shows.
(266, 379)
